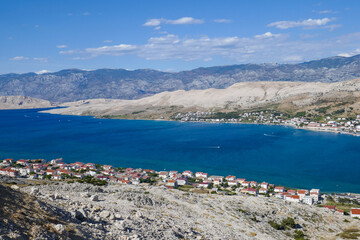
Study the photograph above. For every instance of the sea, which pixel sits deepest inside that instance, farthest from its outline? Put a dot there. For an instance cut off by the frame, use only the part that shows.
(280, 155)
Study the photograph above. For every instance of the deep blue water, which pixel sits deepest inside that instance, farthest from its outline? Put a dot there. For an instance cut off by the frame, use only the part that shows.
(277, 154)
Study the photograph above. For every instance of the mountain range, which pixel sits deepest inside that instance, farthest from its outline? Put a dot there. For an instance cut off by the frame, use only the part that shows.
(74, 84)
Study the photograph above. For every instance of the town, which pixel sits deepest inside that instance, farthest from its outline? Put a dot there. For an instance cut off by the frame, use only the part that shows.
(198, 182)
(328, 123)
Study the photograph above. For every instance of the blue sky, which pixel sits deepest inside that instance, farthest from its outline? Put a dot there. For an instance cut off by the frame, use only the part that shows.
(170, 35)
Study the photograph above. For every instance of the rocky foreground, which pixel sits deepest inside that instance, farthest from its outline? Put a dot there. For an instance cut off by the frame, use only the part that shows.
(82, 211)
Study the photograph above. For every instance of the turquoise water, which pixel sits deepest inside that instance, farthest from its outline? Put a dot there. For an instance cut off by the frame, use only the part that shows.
(277, 154)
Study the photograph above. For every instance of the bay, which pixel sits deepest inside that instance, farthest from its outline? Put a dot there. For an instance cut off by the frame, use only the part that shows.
(276, 154)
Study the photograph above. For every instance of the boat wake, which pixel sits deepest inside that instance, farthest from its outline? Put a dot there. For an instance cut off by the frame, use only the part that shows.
(269, 135)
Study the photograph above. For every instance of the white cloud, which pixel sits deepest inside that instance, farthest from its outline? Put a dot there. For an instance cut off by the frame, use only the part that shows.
(107, 41)
(327, 12)
(68, 52)
(170, 46)
(333, 27)
(267, 47)
(184, 20)
(350, 54)
(19, 58)
(116, 50)
(152, 22)
(42, 72)
(309, 23)
(293, 58)
(223, 20)
(40, 59)
(85, 14)
(61, 46)
(267, 35)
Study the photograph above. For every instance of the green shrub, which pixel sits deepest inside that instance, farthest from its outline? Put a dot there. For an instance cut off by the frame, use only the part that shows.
(288, 223)
(275, 225)
(299, 235)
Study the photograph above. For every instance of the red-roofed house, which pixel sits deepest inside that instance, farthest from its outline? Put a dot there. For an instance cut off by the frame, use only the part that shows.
(201, 175)
(23, 162)
(240, 180)
(291, 191)
(217, 181)
(187, 173)
(12, 173)
(340, 211)
(279, 189)
(293, 198)
(355, 212)
(302, 193)
(330, 207)
(107, 167)
(230, 178)
(163, 175)
(263, 191)
(264, 185)
(50, 172)
(171, 183)
(251, 191)
(253, 184)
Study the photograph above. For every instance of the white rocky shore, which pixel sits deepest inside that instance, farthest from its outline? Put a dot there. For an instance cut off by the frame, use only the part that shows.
(153, 212)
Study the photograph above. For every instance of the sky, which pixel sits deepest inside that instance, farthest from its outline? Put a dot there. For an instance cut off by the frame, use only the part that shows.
(47, 35)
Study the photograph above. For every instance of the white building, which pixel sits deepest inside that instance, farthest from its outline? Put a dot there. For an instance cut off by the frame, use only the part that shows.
(264, 185)
(201, 175)
(279, 189)
(308, 200)
(263, 191)
(181, 181)
(315, 194)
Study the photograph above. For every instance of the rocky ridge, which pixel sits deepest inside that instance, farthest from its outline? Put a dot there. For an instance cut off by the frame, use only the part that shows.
(283, 96)
(23, 102)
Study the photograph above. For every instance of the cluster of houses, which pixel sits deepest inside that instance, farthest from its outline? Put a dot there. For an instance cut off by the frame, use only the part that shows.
(240, 186)
(340, 125)
(266, 117)
(56, 169)
(192, 116)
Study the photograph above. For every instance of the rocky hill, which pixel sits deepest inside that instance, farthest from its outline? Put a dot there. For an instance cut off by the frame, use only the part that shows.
(75, 211)
(281, 96)
(22, 102)
(23, 216)
(74, 84)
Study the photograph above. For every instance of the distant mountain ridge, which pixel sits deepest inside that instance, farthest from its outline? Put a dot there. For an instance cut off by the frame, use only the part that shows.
(74, 84)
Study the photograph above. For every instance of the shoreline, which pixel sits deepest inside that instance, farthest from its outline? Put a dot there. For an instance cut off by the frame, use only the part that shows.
(316, 129)
(171, 170)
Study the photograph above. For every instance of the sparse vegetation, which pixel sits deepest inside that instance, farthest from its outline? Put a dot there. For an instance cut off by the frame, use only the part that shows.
(351, 233)
(299, 235)
(93, 181)
(286, 223)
